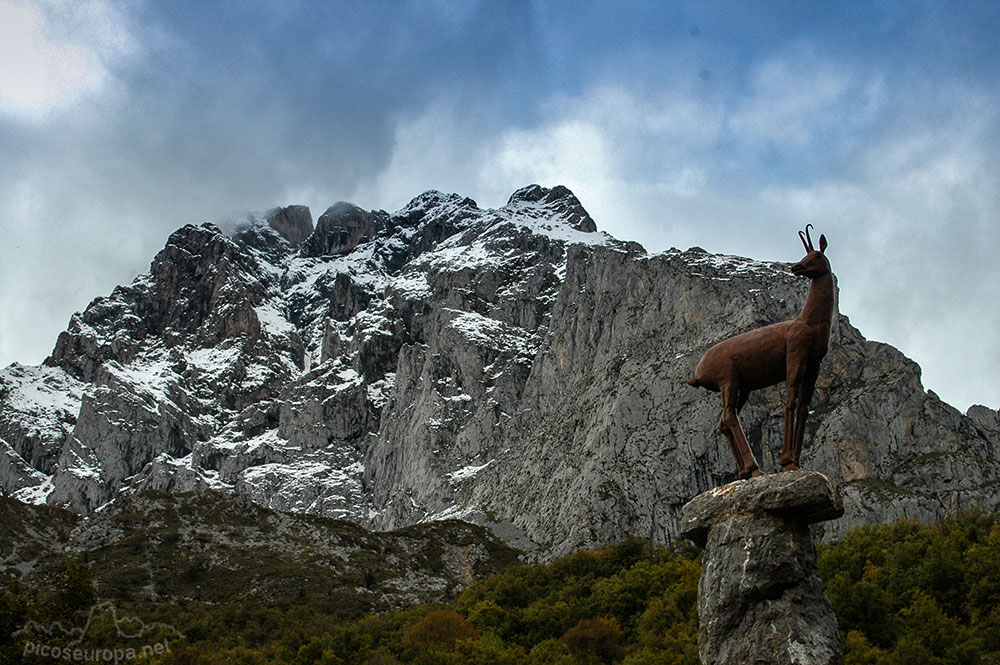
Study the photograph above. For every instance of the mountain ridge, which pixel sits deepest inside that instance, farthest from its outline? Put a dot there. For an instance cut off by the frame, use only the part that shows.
(514, 367)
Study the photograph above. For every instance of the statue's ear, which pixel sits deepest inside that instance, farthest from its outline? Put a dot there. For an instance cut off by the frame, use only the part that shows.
(822, 243)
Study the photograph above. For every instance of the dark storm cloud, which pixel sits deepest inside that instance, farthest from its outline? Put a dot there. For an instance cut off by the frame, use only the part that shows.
(220, 106)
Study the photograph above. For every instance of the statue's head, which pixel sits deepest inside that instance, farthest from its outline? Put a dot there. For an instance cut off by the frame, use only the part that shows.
(814, 263)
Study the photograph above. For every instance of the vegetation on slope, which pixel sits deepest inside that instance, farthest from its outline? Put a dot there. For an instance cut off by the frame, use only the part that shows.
(909, 593)
(903, 593)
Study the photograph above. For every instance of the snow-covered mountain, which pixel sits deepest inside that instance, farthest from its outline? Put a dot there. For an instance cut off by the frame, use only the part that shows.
(513, 367)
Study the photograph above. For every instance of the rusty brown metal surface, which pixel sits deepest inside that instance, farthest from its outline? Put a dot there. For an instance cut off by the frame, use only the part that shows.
(789, 351)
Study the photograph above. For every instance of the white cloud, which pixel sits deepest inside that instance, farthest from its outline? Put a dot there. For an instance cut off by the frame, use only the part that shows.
(631, 159)
(797, 99)
(574, 153)
(912, 238)
(911, 227)
(437, 148)
(52, 53)
(604, 141)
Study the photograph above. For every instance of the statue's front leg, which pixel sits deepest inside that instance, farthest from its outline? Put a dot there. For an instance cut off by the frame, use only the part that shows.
(801, 413)
(789, 460)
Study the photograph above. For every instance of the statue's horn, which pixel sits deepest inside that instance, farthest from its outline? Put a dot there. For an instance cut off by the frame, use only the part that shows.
(806, 240)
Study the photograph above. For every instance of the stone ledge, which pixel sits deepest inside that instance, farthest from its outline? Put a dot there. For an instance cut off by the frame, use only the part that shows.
(804, 496)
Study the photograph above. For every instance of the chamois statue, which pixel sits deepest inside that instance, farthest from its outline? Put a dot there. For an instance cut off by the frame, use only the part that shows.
(789, 351)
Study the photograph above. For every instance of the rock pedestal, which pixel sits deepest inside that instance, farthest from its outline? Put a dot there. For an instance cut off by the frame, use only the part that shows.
(760, 599)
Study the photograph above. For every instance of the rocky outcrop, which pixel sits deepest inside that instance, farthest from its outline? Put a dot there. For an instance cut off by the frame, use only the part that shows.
(293, 223)
(760, 598)
(561, 201)
(343, 227)
(513, 367)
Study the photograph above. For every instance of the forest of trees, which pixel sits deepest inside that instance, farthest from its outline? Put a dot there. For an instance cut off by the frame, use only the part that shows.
(903, 594)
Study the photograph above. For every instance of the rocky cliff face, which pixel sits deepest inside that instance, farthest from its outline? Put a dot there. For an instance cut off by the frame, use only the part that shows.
(513, 367)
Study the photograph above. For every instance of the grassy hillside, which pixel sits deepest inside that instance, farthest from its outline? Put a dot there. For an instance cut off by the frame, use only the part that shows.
(903, 593)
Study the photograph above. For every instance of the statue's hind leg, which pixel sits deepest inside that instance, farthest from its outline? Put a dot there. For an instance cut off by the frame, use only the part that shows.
(732, 443)
(746, 464)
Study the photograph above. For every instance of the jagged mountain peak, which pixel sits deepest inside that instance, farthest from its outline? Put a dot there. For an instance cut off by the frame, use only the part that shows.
(294, 222)
(555, 203)
(195, 236)
(343, 227)
(512, 366)
(433, 200)
(344, 211)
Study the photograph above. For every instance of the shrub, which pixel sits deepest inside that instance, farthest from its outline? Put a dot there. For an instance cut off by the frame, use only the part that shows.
(598, 638)
(438, 631)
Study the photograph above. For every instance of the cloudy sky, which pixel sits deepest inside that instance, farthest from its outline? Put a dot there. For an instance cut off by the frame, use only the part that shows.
(723, 125)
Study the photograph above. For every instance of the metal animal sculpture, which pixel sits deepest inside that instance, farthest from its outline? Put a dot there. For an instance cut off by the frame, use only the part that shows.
(789, 351)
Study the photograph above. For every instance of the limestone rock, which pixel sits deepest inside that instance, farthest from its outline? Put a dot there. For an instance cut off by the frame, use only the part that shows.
(561, 202)
(294, 223)
(342, 228)
(512, 366)
(611, 441)
(760, 598)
